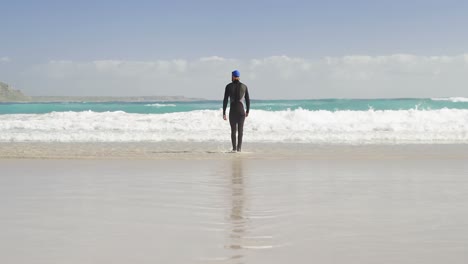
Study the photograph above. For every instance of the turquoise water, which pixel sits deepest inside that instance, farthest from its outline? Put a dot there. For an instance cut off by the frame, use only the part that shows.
(267, 105)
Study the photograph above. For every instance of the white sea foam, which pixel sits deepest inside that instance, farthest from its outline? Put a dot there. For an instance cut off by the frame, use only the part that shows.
(451, 99)
(303, 126)
(161, 105)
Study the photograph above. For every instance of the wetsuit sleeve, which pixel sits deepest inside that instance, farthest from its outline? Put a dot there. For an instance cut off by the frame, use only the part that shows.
(247, 99)
(225, 101)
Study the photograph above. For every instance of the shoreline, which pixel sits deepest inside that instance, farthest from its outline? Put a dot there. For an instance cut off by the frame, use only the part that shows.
(221, 150)
(50, 100)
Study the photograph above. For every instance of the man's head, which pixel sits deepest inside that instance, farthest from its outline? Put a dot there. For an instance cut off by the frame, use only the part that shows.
(235, 75)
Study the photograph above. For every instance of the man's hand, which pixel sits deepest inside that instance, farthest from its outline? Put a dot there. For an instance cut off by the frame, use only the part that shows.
(224, 117)
(246, 114)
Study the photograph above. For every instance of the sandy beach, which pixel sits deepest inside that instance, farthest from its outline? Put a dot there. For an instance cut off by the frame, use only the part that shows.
(275, 203)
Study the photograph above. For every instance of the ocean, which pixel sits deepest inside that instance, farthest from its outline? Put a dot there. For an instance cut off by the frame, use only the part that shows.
(324, 121)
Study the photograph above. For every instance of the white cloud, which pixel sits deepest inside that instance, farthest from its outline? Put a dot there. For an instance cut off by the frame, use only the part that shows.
(212, 58)
(5, 59)
(355, 76)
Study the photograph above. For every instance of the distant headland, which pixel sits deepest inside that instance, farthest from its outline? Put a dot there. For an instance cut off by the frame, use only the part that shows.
(10, 95)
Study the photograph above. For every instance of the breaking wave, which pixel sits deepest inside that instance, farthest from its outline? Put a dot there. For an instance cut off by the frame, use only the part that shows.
(299, 126)
(452, 99)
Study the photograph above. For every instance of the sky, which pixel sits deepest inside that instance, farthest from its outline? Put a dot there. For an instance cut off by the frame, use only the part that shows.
(283, 49)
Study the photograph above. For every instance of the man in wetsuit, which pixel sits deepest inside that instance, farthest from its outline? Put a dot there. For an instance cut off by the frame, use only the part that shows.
(236, 91)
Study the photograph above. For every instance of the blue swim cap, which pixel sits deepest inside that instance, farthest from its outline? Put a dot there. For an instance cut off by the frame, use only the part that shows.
(236, 73)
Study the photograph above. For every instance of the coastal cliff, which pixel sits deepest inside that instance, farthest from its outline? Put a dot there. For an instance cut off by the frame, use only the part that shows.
(8, 94)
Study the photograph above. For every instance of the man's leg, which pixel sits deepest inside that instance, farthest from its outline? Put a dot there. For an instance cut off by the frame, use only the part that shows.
(240, 126)
(233, 123)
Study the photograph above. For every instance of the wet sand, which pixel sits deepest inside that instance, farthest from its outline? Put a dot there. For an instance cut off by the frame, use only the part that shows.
(220, 150)
(313, 204)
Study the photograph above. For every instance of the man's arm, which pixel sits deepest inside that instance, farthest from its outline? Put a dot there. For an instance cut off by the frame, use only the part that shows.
(225, 101)
(247, 100)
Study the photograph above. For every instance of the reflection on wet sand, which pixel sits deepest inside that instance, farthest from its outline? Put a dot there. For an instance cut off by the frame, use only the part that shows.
(238, 209)
(237, 218)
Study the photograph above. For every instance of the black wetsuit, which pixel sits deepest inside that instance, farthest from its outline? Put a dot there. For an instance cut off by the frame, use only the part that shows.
(236, 91)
